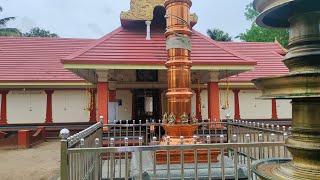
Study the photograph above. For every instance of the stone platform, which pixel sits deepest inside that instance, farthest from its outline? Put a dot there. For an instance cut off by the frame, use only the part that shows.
(189, 173)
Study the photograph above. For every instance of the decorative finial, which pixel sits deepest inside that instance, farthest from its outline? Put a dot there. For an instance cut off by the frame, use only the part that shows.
(64, 133)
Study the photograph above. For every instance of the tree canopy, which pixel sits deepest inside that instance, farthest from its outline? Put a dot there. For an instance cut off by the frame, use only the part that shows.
(4, 31)
(218, 35)
(37, 32)
(34, 32)
(259, 34)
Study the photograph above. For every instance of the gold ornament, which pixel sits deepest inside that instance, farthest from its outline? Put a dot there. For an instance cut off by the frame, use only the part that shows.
(194, 119)
(171, 119)
(165, 118)
(184, 118)
(142, 10)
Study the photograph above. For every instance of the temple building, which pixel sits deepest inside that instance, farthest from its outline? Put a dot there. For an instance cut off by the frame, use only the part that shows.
(123, 75)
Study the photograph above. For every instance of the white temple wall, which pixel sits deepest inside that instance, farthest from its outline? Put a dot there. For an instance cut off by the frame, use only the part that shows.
(69, 106)
(125, 110)
(250, 107)
(26, 107)
(253, 108)
(284, 108)
(223, 100)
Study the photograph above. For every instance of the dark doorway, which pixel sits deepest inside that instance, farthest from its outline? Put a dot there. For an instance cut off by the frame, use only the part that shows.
(159, 20)
(146, 104)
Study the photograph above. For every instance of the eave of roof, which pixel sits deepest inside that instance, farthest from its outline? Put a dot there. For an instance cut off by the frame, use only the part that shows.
(269, 57)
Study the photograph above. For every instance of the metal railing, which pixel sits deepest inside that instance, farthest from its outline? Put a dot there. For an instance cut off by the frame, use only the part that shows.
(142, 151)
(260, 132)
(133, 129)
(83, 157)
(81, 166)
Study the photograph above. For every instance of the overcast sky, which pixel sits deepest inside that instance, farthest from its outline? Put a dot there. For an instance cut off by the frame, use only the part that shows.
(95, 18)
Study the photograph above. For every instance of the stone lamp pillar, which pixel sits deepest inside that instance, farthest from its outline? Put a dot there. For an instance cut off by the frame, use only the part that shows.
(302, 85)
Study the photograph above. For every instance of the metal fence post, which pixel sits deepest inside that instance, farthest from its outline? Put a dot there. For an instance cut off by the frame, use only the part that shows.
(209, 157)
(154, 140)
(285, 135)
(140, 159)
(182, 158)
(112, 165)
(235, 151)
(195, 158)
(97, 165)
(168, 158)
(64, 133)
(222, 158)
(248, 157)
(126, 159)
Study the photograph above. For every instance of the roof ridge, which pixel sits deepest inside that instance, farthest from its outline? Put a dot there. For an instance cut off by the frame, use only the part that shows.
(220, 45)
(94, 44)
(285, 50)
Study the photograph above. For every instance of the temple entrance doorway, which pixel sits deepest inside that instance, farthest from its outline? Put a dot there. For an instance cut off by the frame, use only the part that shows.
(146, 104)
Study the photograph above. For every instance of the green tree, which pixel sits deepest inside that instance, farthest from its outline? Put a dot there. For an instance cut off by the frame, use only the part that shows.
(7, 31)
(260, 34)
(218, 35)
(37, 32)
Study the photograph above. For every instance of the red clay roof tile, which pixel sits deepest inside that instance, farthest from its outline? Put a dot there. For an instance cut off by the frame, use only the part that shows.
(269, 57)
(39, 59)
(130, 47)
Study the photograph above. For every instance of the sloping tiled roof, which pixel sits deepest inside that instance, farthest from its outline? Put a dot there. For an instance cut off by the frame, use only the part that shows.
(37, 59)
(268, 56)
(130, 47)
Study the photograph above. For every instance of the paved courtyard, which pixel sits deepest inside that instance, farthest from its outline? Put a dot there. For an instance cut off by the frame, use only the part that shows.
(41, 162)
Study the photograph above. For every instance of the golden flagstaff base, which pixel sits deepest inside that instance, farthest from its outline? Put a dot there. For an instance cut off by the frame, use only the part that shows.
(302, 17)
(179, 121)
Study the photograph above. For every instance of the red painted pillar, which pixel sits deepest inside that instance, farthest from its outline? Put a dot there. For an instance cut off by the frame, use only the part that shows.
(49, 106)
(3, 117)
(274, 109)
(236, 104)
(198, 104)
(103, 91)
(93, 114)
(213, 101)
